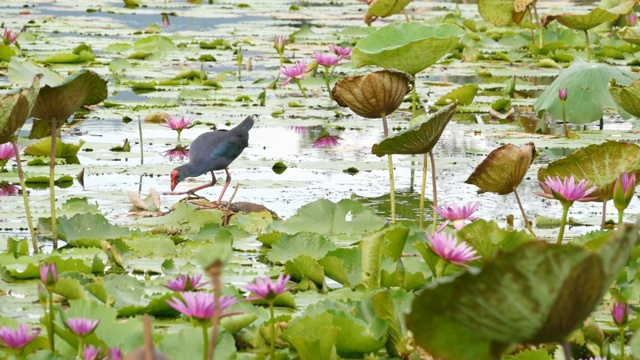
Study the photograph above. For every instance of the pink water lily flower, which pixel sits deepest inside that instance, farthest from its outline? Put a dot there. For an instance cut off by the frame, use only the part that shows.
(620, 314)
(81, 326)
(49, 274)
(632, 19)
(567, 190)
(90, 352)
(175, 122)
(293, 71)
(448, 248)
(563, 94)
(457, 215)
(114, 354)
(6, 151)
(267, 289)
(19, 338)
(9, 37)
(326, 59)
(186, 283)
(343, 53)
(326, 141)
(199, 305)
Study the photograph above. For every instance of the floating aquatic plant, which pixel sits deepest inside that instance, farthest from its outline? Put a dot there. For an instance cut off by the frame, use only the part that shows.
(295, 72)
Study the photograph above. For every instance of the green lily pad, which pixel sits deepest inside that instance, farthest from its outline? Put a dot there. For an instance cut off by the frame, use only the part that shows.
(189, 344)
(463, 95)
(304, 266)
(383, 9)
(600, 164)
(487, 238)
(42, 147)
(420, 138)
(15, 109)
(525, 295)
(498, 12)
(343, 265)
(631, 35)
(81, 54)
(627, 97)
(82, 88)
(503, 169)
(410, 47)
(583, 22)
(88, 229)
(289, 247)
(588, 93)
(328, 218)
(314, 337)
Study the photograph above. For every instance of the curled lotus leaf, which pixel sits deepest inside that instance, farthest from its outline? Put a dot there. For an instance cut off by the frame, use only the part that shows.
(58, 102)
(591, 19)
(499, 12)
(15, 109)
(383, 8)
(628, 97)
(373, 95)
(523, 295)
(521, 5)
(420, 138)
(599, 164)
(630, 35)
(503, 170)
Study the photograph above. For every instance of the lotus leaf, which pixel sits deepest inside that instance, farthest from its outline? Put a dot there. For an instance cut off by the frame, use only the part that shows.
(58, 102)
(6, 53)
(15, 109)
(22, 72)
(374, 95)
(42, 147)
(188, 344)
(383, 8)
(420, 138)
(631, 35)
(503, 169)
(587, 85)
(463, 95)
(310, 244)
(314, 337)
(305, 266)
(410, 47)
(627, 97)
(499, 12)
(487, 238)
(88, 229)
(525, 295)
(582, 22)
(599, 164)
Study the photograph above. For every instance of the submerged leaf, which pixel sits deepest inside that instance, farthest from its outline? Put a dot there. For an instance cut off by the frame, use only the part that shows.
(374, 95)
(503, 170)
(418, 139)
(409, 47)
(58, 102)
(599, 164)
(525, 295)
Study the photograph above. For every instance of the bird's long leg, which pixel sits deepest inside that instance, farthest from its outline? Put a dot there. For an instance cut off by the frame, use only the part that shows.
(226, 184)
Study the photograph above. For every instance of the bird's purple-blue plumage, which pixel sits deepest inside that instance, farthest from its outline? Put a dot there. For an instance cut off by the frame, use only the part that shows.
(215, 150)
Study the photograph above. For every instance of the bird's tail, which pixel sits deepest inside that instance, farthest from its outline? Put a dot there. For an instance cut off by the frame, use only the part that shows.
(246, 124)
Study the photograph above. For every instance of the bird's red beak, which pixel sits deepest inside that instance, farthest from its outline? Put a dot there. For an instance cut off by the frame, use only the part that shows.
(174, 180)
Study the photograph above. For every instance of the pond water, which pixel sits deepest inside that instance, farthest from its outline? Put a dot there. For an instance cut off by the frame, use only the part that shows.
(312, 173)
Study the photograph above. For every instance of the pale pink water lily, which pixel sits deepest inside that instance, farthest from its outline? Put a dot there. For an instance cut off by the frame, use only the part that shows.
(8, 37)
(178, 153)
(563, 94)
(7, 189)
(620, 314)
(632, 19)
(48, 274)
(81, 326)
(175, 122)
(326, 59)
(293, 71)
(458, 216)
(448, 248)
(90, 352)
(199, 305)
(623, 190)
(279, 42)
(567, 190)
(343, 53)
(6, 151)
(299, 129)
(326, 141)
(186, 283)
(19, 338)
(267, 289)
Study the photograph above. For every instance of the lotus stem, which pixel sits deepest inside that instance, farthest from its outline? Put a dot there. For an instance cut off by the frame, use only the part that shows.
(326, 81)
(406, 16)
(272, 348)
(587, 46)
(435, 190)
(214, 272)
(604, 215)
(535, 11)
(566, 348)
(301, 89)
(563, 222)
(142, 141)
(50, 331)
(23, 186)
(414, 100)
(533, 37)
(206, 338)
(423, 189)
(620, 215)
(564, 118)
(52, 190)
(80, 341)
(524, 215)
(392, 192)
(621, 332)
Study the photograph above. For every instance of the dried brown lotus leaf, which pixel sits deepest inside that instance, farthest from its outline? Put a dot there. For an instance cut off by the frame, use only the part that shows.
(503, 170)
(373, 95)
(15, 109)
(521, 5)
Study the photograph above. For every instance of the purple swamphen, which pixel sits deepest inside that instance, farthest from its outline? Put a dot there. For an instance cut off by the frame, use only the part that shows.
(213, 150)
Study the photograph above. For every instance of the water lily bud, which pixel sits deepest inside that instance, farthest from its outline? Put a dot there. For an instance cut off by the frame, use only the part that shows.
(49, 275)
(632, 19)
(623, 190)
(563, 94)
(620, 313)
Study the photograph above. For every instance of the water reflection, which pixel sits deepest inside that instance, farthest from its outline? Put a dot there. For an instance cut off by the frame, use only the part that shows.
(8, 189)
(177, 154)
